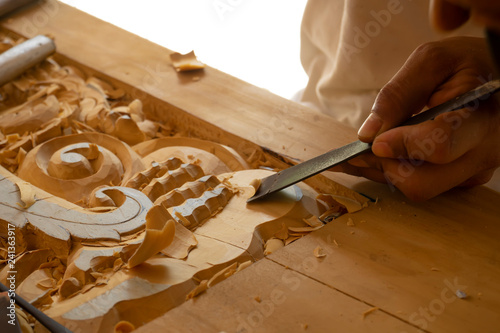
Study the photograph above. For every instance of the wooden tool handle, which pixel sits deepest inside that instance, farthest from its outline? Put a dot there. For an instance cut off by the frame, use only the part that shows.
(19, 58)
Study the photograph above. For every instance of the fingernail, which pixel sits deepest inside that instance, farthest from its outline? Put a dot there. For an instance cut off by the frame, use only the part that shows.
(370, 127)
(382, 149)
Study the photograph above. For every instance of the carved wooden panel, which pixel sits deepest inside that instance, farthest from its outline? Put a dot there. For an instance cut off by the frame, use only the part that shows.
(116, 219)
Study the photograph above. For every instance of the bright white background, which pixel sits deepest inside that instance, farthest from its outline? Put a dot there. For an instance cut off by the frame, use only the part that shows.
(257, 41)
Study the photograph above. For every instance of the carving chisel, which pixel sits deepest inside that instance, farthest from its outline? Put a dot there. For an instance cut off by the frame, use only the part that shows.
(299, 172)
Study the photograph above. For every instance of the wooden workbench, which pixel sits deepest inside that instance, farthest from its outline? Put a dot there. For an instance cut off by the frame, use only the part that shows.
(403, 261)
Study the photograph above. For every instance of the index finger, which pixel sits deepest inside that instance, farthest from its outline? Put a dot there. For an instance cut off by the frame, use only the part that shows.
(430, 71)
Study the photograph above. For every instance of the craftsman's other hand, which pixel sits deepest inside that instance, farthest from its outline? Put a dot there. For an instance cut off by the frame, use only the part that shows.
(451, 14)
(460, 148)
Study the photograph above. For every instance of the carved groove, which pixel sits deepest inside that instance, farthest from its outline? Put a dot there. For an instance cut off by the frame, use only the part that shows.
(194, 189)
(157, 169)
(197, 210)
(172, 180)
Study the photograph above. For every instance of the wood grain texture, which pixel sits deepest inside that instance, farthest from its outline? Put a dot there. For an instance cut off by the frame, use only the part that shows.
(271, 298)
(220, 99)
(407, 259)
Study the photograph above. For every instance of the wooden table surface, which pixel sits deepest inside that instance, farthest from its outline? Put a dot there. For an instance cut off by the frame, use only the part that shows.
(403, 261)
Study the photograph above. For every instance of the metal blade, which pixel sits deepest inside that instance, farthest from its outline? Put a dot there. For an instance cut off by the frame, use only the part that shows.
(332, 158)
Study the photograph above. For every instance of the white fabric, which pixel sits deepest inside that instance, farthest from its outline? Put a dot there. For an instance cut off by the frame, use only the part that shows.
(351, 48)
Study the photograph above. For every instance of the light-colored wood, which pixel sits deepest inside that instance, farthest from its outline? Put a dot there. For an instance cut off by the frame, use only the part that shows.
(268, 297)
(398, 260)
(217, 98)
(91, 262)
(408, 260)
(58, 221)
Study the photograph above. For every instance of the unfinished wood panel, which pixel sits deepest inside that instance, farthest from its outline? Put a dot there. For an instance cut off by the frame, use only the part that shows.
(231, 104)
(271, 298)
(392, 264)
(412, 259)
(83, 254)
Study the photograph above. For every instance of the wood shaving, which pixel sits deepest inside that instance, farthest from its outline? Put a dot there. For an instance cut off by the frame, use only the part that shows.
(318, 252)
(350, 204)
(202, 287)
(184, 241)
(185, 222)
(160, 232)
(313, 221)
(255, 184)
(69, 287)
(292, 239)
(369, 311)
(244, 265)
(304, 229)
(27, 192)
(222, 275)
(272, 245)
(350, 222)
(124, 327)
(282, 233)
(186, 62)
(47, 283)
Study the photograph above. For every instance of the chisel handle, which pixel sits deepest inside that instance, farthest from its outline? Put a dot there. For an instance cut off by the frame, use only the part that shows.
(16, 60)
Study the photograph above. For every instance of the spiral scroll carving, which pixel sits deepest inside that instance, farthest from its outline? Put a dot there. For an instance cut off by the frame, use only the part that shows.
(71, 167)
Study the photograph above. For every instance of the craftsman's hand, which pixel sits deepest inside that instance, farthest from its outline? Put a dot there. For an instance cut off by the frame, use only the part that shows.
(450, 14)
(458, 148)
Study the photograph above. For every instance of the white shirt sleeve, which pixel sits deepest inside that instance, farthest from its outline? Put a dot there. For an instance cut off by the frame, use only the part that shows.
(351, 48)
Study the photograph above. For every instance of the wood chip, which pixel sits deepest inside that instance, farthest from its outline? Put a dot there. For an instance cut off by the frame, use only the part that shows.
(186, 62)
(282, 233)
(272, 245)
(350, 204)
(292, 239)
(318, 252)
(124, 327)
(304, 229)
(160, 232)
(184, 241)
(222, 275)
(244, 265)
(203, 286)
(350, 222)
(47, 283)
(369, 311)
(313, 221)
(27, 192)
